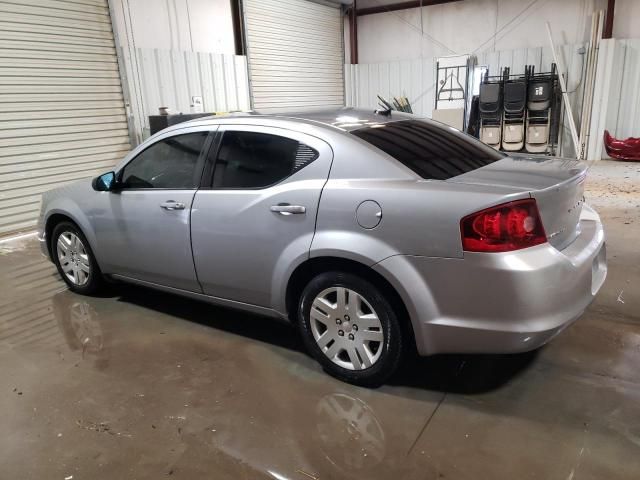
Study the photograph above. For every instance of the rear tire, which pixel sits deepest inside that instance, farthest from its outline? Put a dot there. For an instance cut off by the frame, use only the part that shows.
(350, 328)
(74, 259)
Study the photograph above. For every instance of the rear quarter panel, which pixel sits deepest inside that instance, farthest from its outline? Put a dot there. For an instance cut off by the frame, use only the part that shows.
(419, 217)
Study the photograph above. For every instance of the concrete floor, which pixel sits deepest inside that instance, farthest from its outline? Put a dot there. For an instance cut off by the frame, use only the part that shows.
(138, 384)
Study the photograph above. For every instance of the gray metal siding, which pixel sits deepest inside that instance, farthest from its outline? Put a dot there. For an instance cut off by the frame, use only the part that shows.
(169, 78)
(62, 113)
(295, 54)
(415, 79)
(626, 97)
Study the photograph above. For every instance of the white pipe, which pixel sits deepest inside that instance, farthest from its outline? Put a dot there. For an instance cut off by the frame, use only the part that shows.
(587, 82)
(604, 76)
(592, 82)
(588, 86)
(565, 97)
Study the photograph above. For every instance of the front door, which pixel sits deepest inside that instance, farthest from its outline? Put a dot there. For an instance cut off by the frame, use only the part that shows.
(145, 226)
(258, 214)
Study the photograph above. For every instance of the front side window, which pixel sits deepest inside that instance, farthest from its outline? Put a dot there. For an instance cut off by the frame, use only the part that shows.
(431, 150)
(169, 163)
(258, 160)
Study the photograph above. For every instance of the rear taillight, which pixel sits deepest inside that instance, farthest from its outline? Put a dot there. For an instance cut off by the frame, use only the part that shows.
(506, 227)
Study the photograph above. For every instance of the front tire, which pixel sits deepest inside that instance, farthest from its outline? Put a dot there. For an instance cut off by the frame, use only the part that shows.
(350, 328)
(74, 259)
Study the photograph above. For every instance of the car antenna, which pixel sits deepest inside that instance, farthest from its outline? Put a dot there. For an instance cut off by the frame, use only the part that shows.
(386, 107)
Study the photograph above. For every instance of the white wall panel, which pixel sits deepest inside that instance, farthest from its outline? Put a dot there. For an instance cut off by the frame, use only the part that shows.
(476, 26)
(62, 113)
(628, 108)
(616, 103)
(625, 20)
(169, 78)
(411, 78)
(415, 79)
(195, 25)
(172, 50)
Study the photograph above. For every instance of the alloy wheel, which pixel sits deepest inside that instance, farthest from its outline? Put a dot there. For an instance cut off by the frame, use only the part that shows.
(346, 328)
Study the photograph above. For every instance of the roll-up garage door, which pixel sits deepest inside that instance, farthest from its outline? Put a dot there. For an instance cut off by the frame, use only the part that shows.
(295, 54)
(62, 115)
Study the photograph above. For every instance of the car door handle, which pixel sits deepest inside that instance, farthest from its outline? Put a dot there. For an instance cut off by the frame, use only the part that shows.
(172, 205)
(286, 209)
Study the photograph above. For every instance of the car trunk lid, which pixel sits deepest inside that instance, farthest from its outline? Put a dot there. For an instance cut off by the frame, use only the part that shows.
(556, 184)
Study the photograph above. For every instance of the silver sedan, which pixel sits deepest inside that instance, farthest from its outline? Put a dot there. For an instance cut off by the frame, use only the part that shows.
(374, 234)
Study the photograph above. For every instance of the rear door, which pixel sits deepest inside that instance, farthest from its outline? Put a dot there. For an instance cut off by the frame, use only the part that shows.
(257, 216)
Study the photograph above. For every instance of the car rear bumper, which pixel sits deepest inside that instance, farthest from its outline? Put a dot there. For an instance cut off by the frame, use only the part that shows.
(500, 302)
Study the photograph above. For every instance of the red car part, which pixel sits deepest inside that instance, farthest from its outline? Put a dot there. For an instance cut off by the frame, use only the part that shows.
(628, 149)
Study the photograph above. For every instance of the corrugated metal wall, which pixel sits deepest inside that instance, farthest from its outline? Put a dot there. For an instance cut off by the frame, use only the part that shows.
(169, 78)
(295, 50)
(62, 114)
(616, 102)
(628, 116)
(415, 79)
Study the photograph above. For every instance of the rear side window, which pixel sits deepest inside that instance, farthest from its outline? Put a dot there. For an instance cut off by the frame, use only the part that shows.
(257, 160)
(432, 151)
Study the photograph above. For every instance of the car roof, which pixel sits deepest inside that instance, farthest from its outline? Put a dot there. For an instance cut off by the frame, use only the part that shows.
(345, 119)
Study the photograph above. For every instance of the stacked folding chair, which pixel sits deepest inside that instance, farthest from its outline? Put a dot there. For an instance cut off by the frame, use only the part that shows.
(539, 102)
(518, 112)
(490, 106)
(515, 99)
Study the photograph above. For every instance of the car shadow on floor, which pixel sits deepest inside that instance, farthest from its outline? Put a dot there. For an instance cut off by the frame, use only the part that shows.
(256, 327)
(462, 374)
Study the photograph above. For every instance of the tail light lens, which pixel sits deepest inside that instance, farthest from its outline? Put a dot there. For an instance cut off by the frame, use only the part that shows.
(503, 228)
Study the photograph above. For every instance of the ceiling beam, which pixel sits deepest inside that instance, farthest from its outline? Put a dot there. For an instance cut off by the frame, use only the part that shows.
(391, 7)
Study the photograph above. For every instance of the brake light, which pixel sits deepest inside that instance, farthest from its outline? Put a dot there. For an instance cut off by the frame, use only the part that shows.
(503, 228)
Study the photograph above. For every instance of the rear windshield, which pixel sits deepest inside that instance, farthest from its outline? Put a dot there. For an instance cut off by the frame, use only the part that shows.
(432, 150)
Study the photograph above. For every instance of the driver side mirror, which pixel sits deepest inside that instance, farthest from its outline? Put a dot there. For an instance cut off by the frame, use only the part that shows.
(105, 182)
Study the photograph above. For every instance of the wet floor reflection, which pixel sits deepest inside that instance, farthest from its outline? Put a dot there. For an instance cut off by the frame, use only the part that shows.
(350, 434)
(79, 322)
(143, 384)
(26, 312)
(36, 308)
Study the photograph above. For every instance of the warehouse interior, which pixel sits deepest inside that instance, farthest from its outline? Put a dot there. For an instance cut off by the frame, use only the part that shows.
(137, 383)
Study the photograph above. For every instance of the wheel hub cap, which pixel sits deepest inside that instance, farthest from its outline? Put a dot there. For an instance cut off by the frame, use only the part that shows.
(346, 328)
(73, 258)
